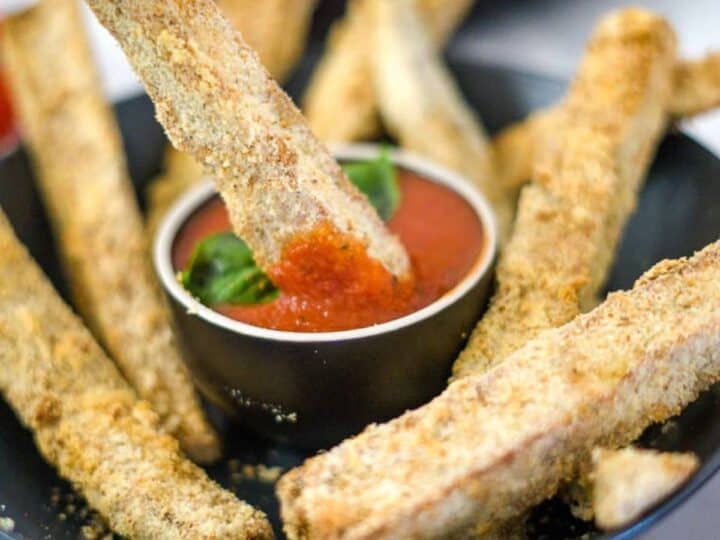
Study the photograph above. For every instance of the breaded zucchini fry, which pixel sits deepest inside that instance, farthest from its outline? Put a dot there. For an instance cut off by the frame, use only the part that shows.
(276, 29)
(80, 167)
(422, 107)
(496, 443)
(587, 173)
(630, 481)
(697, 86)
(218, 103)
(181, 172)
(88, 422)
(340, 101)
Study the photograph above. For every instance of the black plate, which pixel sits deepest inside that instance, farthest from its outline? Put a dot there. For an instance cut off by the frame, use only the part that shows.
(677, 215)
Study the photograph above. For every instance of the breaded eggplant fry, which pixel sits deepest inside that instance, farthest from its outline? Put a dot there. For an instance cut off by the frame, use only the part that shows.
(630, 481)
(587, 174)
(80, 167)
(340, 101)
(181, 172)
(696, 89)
(697, 86)
(218, 103)
(422, 107)
(276, 29)
(493, 444)
(88, 422)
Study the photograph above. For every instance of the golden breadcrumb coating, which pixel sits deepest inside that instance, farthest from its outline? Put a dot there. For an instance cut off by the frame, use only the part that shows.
(696, 89)
(492, 445)
(88, 422)
(630, 481)
(514, 149)
(276, 29)
(78, 158)
(587, 173)
(423, 108)
(218, 103)
(340, 101)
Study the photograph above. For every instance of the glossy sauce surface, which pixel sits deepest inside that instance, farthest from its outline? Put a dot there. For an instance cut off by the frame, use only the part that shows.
(7, 132)
(329, 284)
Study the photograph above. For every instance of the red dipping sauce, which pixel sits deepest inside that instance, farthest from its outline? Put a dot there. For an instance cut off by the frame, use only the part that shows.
(319, 291)
(8, 137)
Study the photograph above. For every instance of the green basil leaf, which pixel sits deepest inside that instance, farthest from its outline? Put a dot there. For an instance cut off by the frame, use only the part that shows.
(222, 271)
(377, 179)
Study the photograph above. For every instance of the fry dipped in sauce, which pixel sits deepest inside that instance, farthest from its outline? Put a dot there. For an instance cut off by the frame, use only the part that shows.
(325, 283)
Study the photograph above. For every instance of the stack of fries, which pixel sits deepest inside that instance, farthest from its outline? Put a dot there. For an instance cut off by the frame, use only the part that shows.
(547, 388)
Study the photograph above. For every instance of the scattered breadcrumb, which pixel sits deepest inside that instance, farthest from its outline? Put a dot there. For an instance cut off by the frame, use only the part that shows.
(263, 473)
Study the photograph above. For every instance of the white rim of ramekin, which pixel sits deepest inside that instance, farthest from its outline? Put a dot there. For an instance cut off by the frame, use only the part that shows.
(190, 201)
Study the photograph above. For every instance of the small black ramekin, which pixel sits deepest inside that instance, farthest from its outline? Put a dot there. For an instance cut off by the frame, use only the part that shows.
(314, 389)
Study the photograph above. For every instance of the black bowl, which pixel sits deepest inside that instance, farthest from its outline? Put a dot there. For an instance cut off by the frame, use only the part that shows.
(315, 389)
(677, 214)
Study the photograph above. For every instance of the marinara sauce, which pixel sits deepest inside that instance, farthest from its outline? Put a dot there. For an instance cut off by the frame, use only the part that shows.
(327, 284)
(8, 137)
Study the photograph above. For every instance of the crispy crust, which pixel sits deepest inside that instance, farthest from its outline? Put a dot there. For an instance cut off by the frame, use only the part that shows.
(340, 101)
(696, 89)
(89, 424)
(586, 177)
(218, 103)
(276, 29)
(80, 167)
(630, 481)
(494, 444)
(423, 108)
